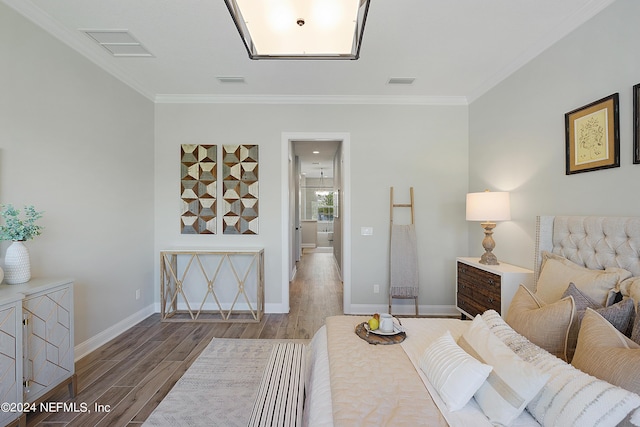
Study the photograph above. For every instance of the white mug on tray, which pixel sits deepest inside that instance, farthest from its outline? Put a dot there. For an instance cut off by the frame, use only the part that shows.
(386, 322)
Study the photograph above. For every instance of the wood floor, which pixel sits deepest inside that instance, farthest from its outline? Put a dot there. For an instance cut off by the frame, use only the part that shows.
(132, 373)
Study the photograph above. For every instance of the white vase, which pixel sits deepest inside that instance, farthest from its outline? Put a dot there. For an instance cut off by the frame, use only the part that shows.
(17, 267)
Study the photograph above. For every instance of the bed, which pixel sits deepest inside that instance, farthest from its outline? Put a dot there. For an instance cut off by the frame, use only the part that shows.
(562, 355)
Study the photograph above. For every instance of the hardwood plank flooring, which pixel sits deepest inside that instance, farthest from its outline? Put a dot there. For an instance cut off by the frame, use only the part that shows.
(133, 372)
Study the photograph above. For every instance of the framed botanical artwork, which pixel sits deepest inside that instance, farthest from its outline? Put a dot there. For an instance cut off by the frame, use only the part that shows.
(593, 136)
(636, 124)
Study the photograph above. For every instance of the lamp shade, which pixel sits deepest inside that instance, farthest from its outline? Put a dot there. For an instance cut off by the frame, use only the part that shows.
(488, 206)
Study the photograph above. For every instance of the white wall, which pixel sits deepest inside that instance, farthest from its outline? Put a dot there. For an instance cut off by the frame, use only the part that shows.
(78, 144)
(517, 136)
(402, 146)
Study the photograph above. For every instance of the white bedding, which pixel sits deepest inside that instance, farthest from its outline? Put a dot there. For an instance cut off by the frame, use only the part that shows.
(318, 410)
(420, 332)
(425, 331)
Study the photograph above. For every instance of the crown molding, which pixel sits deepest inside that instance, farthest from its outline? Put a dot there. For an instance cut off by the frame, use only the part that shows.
(581, 16)
(312, 99)
(47, 23)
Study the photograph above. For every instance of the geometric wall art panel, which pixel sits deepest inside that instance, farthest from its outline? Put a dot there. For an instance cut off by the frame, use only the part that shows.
(240, 189)
(198, 171)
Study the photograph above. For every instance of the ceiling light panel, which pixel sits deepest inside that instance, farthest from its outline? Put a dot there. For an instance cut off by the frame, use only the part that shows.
(314, 29)
(118, 42)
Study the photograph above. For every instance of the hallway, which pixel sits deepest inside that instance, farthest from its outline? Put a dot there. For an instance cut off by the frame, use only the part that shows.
(315, 293)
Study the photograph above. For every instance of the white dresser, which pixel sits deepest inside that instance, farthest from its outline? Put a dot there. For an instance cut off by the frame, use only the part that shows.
(37, 343)
(10, 354)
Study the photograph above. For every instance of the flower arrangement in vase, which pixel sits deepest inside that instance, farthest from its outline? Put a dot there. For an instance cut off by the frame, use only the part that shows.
(16, 263)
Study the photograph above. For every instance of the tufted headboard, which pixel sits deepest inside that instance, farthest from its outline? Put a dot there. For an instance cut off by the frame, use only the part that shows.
(595, 242)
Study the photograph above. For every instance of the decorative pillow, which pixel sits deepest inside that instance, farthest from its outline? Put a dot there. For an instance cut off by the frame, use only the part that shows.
(607, 354)
(455, 374)
(545, 325)
(582, 302)
(631, 288)
(570, 397)
(511, 384)
(621, 315)
(557, 272)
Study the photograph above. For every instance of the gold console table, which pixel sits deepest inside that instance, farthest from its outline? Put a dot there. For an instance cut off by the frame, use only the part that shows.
(212, 285)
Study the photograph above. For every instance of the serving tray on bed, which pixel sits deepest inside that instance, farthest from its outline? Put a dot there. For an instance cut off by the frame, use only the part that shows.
(363, 332)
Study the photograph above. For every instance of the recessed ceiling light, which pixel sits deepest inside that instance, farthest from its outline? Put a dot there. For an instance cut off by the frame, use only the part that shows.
(118, 42)
(401, 80)
(316, 152)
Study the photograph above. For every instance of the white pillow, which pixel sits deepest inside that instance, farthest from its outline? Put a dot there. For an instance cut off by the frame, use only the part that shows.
(455, 374)
(512, 383)
(570, 397)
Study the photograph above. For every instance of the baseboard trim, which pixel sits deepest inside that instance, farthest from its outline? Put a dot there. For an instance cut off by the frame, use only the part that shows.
(405, 309)
(93, 343)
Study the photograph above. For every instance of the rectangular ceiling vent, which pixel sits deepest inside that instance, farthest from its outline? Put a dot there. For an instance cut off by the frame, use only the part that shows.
(231, 79)
(401, 80)
(118, 43)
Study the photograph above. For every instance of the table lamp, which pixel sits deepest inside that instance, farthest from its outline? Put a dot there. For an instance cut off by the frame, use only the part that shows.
(488, 207)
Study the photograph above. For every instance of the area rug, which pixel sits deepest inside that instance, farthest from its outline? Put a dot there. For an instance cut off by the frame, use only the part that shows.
(219, 388)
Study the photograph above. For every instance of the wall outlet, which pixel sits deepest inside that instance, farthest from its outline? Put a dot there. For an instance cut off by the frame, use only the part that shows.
(376, 289)
(137, 293)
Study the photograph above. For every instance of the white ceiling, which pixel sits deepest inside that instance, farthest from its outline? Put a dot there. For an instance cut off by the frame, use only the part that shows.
(455, 49)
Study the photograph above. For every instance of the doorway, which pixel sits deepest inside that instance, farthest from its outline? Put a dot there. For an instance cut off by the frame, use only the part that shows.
(317, 184)
(326, 202)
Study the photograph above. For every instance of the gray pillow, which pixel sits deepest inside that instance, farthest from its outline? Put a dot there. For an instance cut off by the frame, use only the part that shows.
(582, 302)
(621, 315)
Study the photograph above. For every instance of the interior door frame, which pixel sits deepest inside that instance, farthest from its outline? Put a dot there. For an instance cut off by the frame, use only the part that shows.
(345, 210)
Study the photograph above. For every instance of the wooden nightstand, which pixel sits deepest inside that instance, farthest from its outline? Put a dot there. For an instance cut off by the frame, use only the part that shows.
(482, 287)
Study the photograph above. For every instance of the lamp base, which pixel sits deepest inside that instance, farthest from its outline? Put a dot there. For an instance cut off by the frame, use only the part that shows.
(489, 258)
(488, 244)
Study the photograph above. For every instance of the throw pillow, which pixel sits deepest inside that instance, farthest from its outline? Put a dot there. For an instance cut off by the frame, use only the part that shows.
(545, 325)
(631, 288)
(511, 384)
(621, 315)
(452, 371)
(607, 354)
(635, 331)
(582, 302)
(557, 272)
(570, 397)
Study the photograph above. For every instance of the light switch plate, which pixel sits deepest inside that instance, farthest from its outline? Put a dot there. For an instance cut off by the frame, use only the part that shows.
(366, 231)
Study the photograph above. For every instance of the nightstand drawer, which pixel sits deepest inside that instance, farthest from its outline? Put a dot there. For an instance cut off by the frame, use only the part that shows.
(480, 298)
(476, 281)
(481, 287)
(470, 306)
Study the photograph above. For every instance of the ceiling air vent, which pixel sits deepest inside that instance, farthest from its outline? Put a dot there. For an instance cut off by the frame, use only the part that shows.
(118, 42)
(231, 79)
(401, 80)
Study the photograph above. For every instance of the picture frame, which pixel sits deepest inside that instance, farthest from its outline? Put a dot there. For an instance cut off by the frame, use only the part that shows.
(636, 124)
(593, 136)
